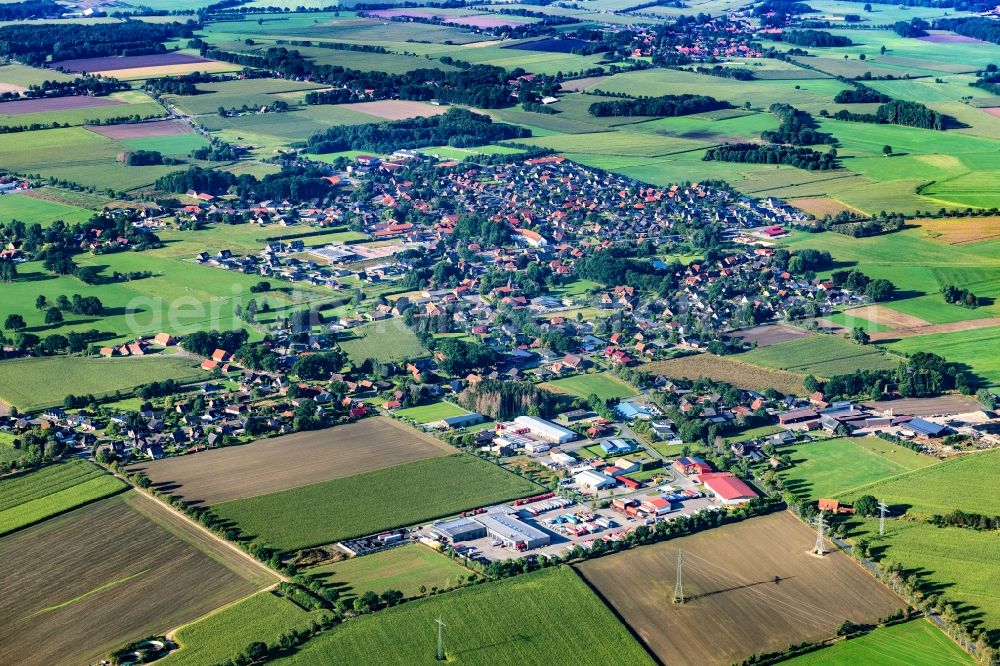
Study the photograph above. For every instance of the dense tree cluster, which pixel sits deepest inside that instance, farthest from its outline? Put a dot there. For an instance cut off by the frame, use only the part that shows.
(456, 127)
(914, 28)
(144, 158)
(861, 94)
(665, 105)
(458, 358)
(34, 44)
(959, 296)
(797, 128)
(899, 112)
(184, 84)
(859, 226)
(319, 365)
(856, 281)
(296, 183)
(735, 73)
(18, 11)
(623, 265)
(922, 375)
(753, 153)
(203, 343)
(811, 38)
(503, 400)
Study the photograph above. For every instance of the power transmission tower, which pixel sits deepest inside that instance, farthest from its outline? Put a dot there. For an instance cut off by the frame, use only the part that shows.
(820, 548)
(882, 510)
(441, 625)
(679, 587)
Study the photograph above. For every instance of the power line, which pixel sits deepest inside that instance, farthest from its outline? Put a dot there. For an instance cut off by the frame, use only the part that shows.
(820, 548)
(441, 625)
(882, 510)
(679, 587)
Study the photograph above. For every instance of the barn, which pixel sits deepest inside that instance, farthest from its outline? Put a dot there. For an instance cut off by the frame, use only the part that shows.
(728, 489)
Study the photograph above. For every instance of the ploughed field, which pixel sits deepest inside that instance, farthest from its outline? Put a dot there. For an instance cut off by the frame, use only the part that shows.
(300, 459)
(86, 582)
(750, 588)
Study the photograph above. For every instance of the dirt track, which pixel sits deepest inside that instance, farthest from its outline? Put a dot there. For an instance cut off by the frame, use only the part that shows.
(270, 465)
(752, 587)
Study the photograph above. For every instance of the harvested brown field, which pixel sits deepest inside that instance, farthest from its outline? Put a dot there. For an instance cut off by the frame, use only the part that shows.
(943, 405)
(722, 369)
(143, 130)
(396, 109)
(962, 230)
(86, 582)
(576, 85)
(945, 37)
(750, 588)
(10, 87)
(879, 314)
(126, 62)
(23, 106)
(992, 110)
(300, 459)
(820, 206)
(157, 71)
(770, 334)
(951, 327)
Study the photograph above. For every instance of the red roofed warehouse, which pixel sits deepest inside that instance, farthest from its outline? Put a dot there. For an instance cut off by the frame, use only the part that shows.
(729, 490)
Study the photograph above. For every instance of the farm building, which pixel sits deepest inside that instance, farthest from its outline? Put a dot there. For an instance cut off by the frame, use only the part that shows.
(460, 421)
(923, 428)
(691, 466)
(459, 529)
(513, 532)
(728, 489)
(797, 416)
(545, 429)
(594, 480)
(657, 506)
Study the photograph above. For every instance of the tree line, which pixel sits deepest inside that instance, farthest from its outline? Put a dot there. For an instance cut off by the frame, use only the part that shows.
(811, 38)
(665, 105)
(292, 182)
(752, 153)
(456, 127)
(899, 112)
(34, 44)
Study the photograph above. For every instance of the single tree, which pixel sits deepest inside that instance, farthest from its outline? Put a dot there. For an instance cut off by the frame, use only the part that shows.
(41, 302)
(860, 335)
(53, 316)
(14, 322)
(887, 150)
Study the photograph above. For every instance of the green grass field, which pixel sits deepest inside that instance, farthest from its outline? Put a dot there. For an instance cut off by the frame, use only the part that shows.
(386, 341)
(820, 355)
(35, 383)
(373, 502)
(539, 618)
(30, 211)
(221, 635)
(959, 563)
(405, 568)
(830, 467)
(432, 412)
(914, 643)
(967, 483)
(973, 348)
(34, 496)
(601, 384)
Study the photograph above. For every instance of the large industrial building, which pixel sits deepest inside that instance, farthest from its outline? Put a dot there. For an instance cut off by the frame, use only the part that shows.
(500, 522)
(543, 429)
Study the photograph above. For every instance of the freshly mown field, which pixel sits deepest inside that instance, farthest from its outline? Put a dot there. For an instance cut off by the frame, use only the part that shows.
(601, 384)
(961, 564)
(968, 483)
(31, 497)
(386, 341)
(548, 617)
(405, 568)
(373, 502)
(432, 412)
(830, 467)
(42, 382)
(218, 637)
(290, 461)
(88, 581)
(823, 356)
(728, 369)
(754, 583)
(915, 643)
